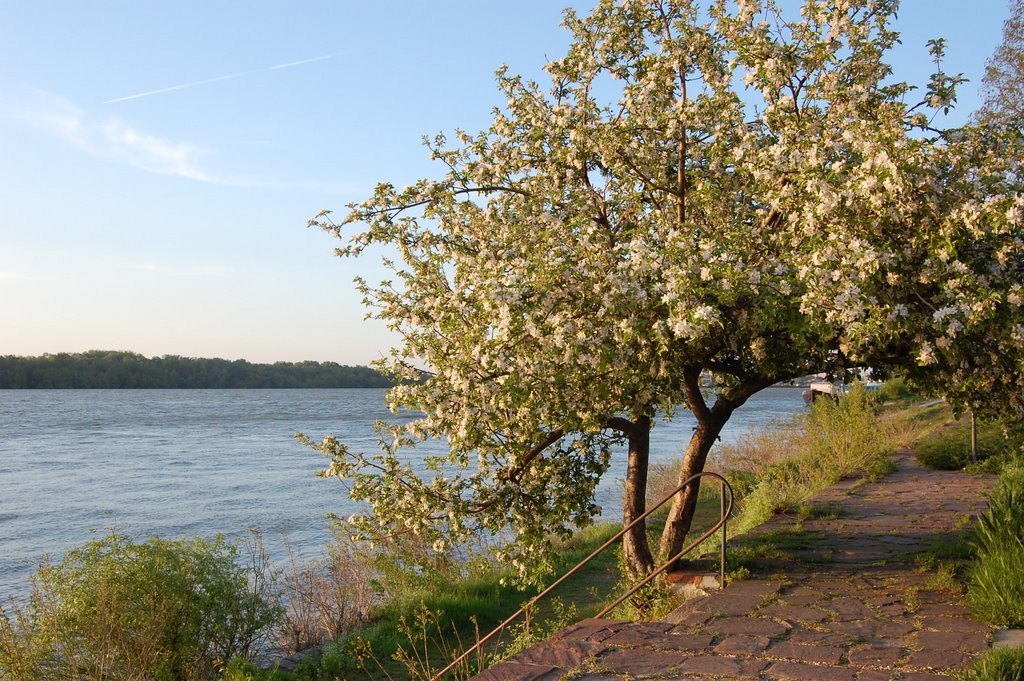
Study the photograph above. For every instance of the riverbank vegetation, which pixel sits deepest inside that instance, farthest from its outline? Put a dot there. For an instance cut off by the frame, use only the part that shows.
(115, 369)
(166, 610)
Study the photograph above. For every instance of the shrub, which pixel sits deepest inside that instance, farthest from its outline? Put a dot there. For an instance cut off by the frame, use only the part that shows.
(327, 598)
(163, 610)
(893, 390)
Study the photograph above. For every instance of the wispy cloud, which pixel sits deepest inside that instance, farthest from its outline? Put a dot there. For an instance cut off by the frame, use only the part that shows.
(111, 138)
(217, 79)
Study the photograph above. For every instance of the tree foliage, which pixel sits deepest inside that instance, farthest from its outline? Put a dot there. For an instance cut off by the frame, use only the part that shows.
(1003, 84)
(114, 369)
(721, 192)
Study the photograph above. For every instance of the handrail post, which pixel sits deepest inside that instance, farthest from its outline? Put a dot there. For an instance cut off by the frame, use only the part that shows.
(721, 575)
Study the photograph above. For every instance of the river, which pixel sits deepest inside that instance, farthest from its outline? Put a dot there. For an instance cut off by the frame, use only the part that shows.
(75, 464)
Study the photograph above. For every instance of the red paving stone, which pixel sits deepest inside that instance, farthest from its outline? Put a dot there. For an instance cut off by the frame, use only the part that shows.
(868, 615)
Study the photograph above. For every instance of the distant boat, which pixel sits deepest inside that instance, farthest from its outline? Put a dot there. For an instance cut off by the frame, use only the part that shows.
(818, 389)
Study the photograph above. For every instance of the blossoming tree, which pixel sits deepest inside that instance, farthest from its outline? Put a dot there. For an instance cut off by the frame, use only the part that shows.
(723, 192)
(1003, 84)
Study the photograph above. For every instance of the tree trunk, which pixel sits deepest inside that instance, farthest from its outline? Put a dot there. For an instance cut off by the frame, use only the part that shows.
(680, 515)
(635, 548)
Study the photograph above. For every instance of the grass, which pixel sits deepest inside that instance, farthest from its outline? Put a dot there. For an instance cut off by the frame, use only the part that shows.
(951, 448)
(996, 579)
(997, 664)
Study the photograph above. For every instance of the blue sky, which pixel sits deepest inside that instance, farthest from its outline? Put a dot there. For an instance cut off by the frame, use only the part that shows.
(159, 160)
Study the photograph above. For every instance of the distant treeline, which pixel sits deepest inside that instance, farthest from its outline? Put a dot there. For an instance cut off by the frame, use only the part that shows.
(113, 369)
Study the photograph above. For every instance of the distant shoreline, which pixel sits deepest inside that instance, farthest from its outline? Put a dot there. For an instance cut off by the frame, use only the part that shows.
(120, 370)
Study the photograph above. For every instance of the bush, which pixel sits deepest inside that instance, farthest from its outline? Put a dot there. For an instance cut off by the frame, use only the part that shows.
(893, 390)
(162, 610)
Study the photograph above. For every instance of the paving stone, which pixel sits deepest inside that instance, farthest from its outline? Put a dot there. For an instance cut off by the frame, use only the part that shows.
(960, 624)
(872, 629)
(590, 629)
(847, 609)
(643, 661)
(823, 638)
(941, 610)
(805, 653)
(846, 621)
(660, 639)
(794, 613)
(935, 659)
(755, 587)
(883, 600)
(752, 626)
(731, 604)
(799, 671)
(946, 640)
(929, 596)
(687, 621)
(718, 665)
(875, 656)
(895, 610)
(1008, 638)
(802, 596)
(742, 645)
(565, 654)
(518, 671)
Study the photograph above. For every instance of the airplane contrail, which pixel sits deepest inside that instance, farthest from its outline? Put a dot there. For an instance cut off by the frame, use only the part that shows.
(230, 76)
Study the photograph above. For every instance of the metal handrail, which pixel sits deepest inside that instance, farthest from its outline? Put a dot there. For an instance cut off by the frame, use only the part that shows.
(721, 524)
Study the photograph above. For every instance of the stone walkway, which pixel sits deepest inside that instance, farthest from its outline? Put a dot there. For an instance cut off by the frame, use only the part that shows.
(843, 599)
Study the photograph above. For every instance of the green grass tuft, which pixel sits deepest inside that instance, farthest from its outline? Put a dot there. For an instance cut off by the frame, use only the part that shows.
(996, 580)
(998, 664)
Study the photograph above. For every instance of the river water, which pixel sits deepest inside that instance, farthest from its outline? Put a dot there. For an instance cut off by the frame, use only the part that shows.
(75, 464)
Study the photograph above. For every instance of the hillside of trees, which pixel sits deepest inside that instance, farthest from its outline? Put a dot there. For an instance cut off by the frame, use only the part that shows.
(115, 369)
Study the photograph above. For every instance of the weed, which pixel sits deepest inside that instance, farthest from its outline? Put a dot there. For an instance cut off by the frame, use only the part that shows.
(738, 574)
(820, 511)
(778, 545)
(957, 550)
(947, 578)
(912, 599)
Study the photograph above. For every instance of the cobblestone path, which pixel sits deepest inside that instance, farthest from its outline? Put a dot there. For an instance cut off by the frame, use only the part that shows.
(844, 601)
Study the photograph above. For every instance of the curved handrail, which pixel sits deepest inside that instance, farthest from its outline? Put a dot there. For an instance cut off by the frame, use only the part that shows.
(721, 524)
